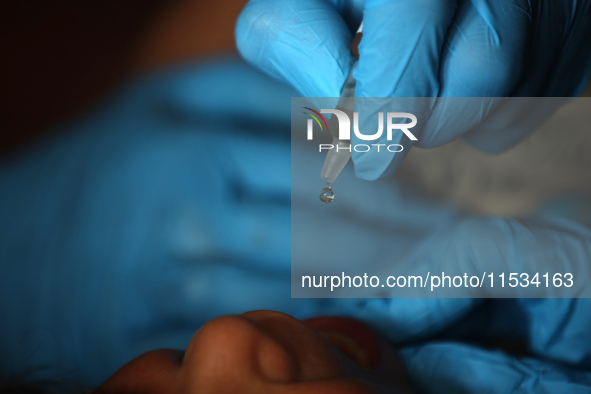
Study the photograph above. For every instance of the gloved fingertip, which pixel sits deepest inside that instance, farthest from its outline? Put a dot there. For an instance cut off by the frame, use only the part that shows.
(252, 25)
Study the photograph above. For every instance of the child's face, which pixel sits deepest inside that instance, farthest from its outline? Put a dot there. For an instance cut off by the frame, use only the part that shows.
(267, 352)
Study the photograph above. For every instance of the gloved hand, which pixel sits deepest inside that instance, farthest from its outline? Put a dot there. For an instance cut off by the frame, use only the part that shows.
(143, 219)
(430, 237)
(427, 238)
(430, 48)
(554, 331)
(557, 335)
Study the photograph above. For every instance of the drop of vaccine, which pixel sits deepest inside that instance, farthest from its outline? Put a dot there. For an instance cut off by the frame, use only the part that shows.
(327, 195)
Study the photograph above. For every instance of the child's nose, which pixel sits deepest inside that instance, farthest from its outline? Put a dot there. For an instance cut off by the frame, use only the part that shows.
(232, 348)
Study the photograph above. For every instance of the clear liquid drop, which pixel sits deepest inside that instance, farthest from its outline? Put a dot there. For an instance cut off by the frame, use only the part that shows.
(327, 195)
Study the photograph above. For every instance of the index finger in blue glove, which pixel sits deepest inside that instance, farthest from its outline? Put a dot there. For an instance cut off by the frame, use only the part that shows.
(482, 58)
(401, 47)
(509, 48)
(485, 57)
(399, 57)
(484, 50)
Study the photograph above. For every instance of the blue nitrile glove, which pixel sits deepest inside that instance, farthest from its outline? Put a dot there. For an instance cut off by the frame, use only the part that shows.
(555, 331)
(427, 48)
(559, 359)
(133, 225)
(435, 238)
(460, 368)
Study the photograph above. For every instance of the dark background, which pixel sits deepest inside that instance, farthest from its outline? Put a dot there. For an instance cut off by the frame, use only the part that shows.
(59, 58)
